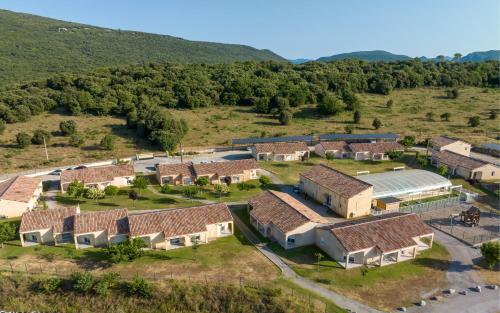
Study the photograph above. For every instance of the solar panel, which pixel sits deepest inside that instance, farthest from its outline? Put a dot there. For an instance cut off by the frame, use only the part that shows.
(373, 136)
(245, 141)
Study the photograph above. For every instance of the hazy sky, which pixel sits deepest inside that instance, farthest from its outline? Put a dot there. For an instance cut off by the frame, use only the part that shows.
(296, 29)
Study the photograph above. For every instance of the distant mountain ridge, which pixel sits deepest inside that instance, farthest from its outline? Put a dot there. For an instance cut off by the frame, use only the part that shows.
(34, 47)
(381, 55)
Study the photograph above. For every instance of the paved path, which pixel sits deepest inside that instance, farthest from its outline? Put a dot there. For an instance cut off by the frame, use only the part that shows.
(339, 300)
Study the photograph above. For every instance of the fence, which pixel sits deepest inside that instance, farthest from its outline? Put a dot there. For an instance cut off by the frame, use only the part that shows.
(464, 235)
(423, 207)
(41, 271)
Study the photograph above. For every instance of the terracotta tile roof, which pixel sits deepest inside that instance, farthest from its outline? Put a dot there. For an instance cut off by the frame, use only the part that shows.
(113, 221)
(338, 182)
(387, 232)
(441, 141)
(376, 147)
(452, 159)
(281, 147)
(178, 222)
(97, 174)
(60, 219)
(20, 188)
(225, 168)
(282, 210)
(335, 145)
(184, 169)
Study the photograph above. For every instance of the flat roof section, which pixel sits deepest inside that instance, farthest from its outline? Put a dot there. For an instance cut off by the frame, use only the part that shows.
(247, 141)
(347, 137)
(398, 183)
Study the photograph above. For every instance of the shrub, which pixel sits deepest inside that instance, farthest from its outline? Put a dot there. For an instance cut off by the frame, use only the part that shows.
(202, 181)
(221, 189)
(94, 193)
(442, 170)
(429, 116)
(394, 155)
(265, 180)
(190, 191)
(165, 188)
(445, 117)
(285, 117)
(76, 140)
(329, 156)
(108, 142)
(83, 281)
(111, 190)
(107, 282)
(126, 251)
(23, 140)
(474, 121)
(49, 285)
(140, 183)
(8, 231)
(408, 141)
(2, 126)
(376, 123)
(356, 118)
(422, 161)
(140, 287)
(331, 105)
(452, 93)
(492, 116)
(245, 186)
(491, 253)
(67, 127)
(389, 104)
(39, 135)
(348, 129)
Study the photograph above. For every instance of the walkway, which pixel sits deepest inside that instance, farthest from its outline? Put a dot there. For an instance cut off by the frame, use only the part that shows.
(338, 299)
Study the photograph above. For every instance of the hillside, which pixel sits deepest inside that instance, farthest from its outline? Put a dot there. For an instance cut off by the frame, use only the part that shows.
(371, 56)
(482, 56)
(35, 47)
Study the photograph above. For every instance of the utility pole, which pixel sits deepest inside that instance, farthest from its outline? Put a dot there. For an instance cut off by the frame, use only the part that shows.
(45, 146)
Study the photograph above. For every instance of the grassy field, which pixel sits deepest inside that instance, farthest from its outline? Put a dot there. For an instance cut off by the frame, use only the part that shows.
(382, 287)
(148, 200)
(217, 125)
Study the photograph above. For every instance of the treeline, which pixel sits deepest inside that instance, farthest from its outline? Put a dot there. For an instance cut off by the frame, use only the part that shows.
(139, 92)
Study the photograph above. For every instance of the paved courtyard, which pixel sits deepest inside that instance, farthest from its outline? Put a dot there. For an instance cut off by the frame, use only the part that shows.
(448, 221)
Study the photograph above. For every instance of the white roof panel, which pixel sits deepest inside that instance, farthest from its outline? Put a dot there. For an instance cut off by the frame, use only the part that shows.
(398, 183)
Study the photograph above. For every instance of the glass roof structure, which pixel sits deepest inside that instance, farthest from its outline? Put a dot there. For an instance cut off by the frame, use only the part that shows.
(406, 182)
(369, 136)
(244, 141)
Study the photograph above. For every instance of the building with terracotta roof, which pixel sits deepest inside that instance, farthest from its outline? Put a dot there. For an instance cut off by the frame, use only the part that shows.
(52, 226)
(280, 151)
(99, 177)
(338, 149)
(216, 172)
(18, 195)
(381, 240)
(376, 151)
(442, 143)
(345, 195)
(279, 216)
(182, 227)
(100, 228)
(464, 166)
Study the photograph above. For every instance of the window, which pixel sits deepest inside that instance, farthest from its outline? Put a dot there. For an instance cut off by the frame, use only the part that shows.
(328, 200)
(351, 259)
(195, 238)
(236, 179)
(492, 173)
(166, 180)
(222, 227)
(175, 241)
(33, 237)
(86, 240)
(187, 181)
(290, 240)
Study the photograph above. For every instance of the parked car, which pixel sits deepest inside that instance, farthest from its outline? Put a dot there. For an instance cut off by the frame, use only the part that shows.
(249, 148)
(296, 189)
(56, 172)
(79, 167)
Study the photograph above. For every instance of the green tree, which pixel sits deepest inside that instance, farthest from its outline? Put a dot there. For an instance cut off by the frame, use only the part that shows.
(408, 141)
(356, 118)
(264, 180)
(190, 191)
(132, 195)
(221, 189)
(140, 183)
(442, 170)
(126, 251)
(376, 123)
(111, 190)
(445, 117)
(202, 181)
(95, 194)
(67, 127)
(108, 142)
(319, 256)
(474, 121)
(429, 116)
(285, 117)
(329, 156)
(8, 232)
(350, 99)
(457, 57)
(491, 253)
(452, 93)
(23, 140)
(76, 189)
(331, 105)
(394, 155)
(76, 140)
(83, 282)
(39, 135)
(165, 188)
(389, 104)
(194, 247)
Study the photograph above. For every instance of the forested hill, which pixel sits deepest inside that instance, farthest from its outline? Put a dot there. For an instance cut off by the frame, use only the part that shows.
(35, 47)
(372, 56)
(138, 92)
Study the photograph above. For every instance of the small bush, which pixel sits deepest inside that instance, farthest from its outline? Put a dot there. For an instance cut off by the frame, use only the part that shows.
(83, 281)
(107, 282)
(39, 135)
(2, 126)
(165, 188)
(76, 140)
(376, 123)
(67, 127)
(329, 156)
(126, 251)
(111, 190)
(394, 155)
(49, 285)
(245, 186)
(108, 142)
(264, 180)
(491, 253)
(140, 287)
(23, 140)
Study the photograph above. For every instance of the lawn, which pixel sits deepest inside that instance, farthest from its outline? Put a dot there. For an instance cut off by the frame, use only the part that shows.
(382, 287)
(148, 200)
(215, 126)
(235, 194)
(289, 171)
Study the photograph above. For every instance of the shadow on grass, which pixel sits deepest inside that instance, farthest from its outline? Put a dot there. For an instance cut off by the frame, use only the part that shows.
(93, 259)
(442, 265)
(164, 200)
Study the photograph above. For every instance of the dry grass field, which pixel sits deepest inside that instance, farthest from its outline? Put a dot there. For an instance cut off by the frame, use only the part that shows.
(216, 126)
